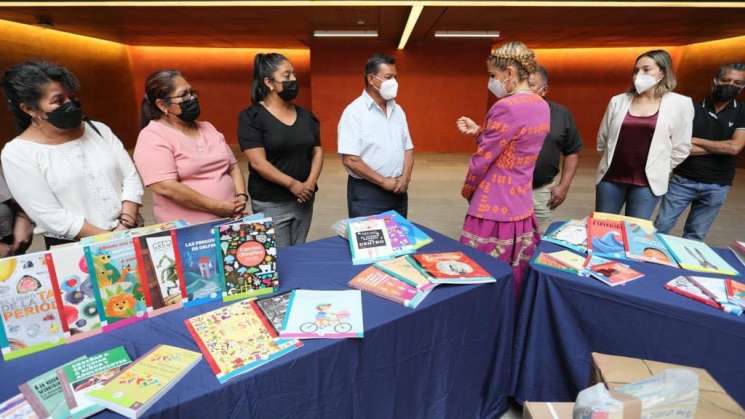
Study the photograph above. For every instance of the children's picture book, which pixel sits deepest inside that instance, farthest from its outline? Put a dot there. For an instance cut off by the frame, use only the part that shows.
(406, 269)
(196, 263)
(452, 268)
(379, 283)
(116, 282)
(17, 407)
(248, 258)
(735, 292)
(643, 245)
(571, 234)
(31, 320)
(44, 394)
(569, 259)
(696, 256)
(646, 225)
(83, 376)
(543, 259)
(683, 286)
(369, 241)
(417, 238)
(611, 272)
(156, 260)
(237, 338)
(79, 309)
(324, 314)
(133, 232)
(405, 237)
(716, 289)
(145, 381)
(274, 308)
(605, 238)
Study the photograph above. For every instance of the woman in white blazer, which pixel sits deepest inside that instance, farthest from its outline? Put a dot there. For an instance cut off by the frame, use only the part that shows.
(644, 134)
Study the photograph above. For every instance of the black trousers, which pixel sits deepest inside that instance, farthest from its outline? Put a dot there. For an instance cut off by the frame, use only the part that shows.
(365, 198)
(53, 241)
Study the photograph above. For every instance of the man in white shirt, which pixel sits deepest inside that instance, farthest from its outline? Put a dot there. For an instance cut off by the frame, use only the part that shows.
(375, 145)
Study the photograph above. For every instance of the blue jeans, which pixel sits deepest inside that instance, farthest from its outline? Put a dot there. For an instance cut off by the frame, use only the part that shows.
(611, 196)
(705, 199)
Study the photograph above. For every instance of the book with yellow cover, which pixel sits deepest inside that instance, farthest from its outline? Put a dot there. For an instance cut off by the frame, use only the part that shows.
(645, 224)
(146, 380)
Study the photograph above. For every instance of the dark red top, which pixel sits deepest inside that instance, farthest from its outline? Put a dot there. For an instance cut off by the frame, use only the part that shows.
(632, 149)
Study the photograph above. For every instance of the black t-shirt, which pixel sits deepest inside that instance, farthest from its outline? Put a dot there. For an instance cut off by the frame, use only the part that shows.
(562, 138)
(709, 125)
(288, 147)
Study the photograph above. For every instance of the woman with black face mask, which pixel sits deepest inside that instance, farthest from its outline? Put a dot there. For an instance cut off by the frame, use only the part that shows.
(283, 144)
(186, 163)
(71, 176)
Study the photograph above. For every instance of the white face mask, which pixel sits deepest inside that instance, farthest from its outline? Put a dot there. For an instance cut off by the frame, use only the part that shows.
(497, 87)
(388, 88)
(644, 82)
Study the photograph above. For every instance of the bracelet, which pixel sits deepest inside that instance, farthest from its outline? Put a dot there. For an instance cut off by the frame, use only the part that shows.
(131, 223)
(243, 195)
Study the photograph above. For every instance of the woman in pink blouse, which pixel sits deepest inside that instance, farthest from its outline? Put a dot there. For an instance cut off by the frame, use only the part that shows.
(187, 164)
(498, 185)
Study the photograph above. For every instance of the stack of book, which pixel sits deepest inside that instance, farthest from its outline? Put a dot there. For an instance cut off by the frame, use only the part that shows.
(609, 272)
(724, 294)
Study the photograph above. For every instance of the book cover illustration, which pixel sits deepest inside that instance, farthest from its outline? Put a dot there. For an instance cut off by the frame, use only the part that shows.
(571, 234)
(643, 245)
(645, 224)
(683, 286)
(324, 314)
(696, 256)
(369, 241)
(79, 308)
(156, 260)
(452, 268)
(405, 269)
(17, 407)
(605, 238)
(379, 283)
(83, 376)
(236, 339)
(196, 263)
(569, 260)
(31, 320)
(736, 292)
(612, 273)
(116, 282)
(716, 289)
(274, 308)
(416, 237)
(543, 259)
(44, 394)
(248, 258)
(145, 380)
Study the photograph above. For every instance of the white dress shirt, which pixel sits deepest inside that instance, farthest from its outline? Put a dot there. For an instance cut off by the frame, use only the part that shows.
(378, 137)
(61, 186)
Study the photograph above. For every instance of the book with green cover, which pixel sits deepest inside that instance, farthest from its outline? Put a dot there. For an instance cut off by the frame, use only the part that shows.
(406, 270)
(145, 381)
(83, 376)
(44, 394)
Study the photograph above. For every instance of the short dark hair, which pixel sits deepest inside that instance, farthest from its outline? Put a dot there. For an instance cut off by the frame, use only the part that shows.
(373, 64)
(23, 83)
(264, 67)
(541, 71)
(730, 67)
(159, 85)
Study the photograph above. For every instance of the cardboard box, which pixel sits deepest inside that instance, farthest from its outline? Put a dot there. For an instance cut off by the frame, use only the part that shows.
(713, 400)
(542, 410)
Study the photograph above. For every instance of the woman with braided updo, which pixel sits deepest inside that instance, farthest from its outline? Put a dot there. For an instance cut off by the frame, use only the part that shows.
(498, 186)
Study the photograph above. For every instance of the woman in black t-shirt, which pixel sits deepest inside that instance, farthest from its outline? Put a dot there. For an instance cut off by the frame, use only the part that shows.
(283, 144)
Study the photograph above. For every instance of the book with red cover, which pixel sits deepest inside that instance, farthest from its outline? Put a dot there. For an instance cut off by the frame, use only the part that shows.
(377, 282)
(156, 262)
(605, 238)
(613, 273)
(452, 268)
(681, 285)
(735, 292)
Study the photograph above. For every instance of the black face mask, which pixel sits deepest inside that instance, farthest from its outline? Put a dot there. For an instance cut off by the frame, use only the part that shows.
(67, 116)
(189, 110)
(289, 91)
(725, 92)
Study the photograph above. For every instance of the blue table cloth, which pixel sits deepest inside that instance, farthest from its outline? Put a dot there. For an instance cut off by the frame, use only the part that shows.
(449, 358)
(563, 318)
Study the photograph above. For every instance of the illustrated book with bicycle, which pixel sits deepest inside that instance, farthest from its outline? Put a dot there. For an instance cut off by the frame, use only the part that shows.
(156, 261)
(315, 314)
(696, 256)
(247, 258)
(237, 338)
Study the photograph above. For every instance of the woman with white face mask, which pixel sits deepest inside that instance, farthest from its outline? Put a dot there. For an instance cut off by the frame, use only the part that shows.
(644, 134)
(499, 184)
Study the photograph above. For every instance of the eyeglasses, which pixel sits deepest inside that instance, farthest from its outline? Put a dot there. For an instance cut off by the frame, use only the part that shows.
(189, 94)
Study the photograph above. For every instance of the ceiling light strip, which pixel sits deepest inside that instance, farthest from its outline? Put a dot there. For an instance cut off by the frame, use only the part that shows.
(416, 10)
(345, 34)
(466, 34)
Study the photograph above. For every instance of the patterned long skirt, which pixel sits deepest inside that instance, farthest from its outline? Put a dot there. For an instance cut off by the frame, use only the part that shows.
(513, 242)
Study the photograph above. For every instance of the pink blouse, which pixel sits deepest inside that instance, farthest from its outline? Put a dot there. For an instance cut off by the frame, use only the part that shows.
(203, 164)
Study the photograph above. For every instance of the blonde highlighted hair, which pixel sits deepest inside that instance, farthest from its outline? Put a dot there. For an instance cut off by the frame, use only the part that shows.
(516, 54)
(665, 62)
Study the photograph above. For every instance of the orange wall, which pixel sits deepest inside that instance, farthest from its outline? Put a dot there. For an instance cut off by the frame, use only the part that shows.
(106, 91)
(436, 86)
(221, 75)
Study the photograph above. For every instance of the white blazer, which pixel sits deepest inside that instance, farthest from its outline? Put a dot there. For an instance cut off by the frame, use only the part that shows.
(671, 141)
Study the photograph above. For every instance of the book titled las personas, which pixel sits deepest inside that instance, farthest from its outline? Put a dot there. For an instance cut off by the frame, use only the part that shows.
(197, 263)
(29, 305)
(452, 268)
(369, 241)
(248, 258)
(379, 283)
(156, 260)
(145, 381)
